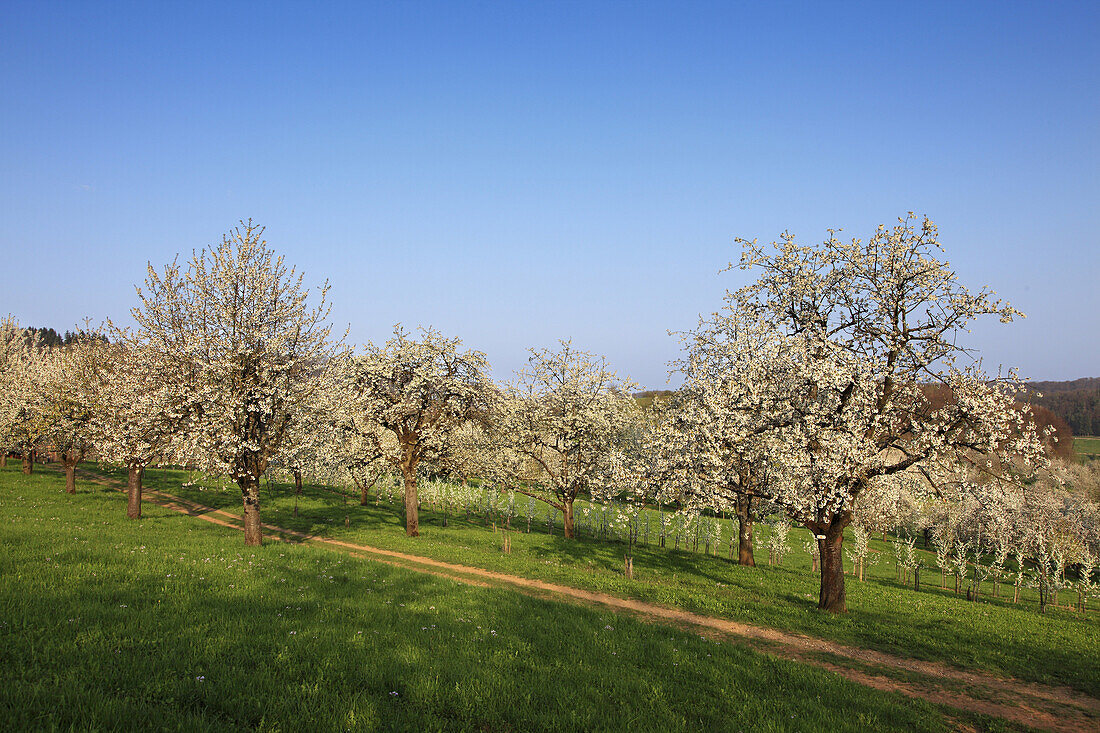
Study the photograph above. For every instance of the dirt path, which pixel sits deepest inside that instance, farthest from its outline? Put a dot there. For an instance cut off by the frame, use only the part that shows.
(1026, 703)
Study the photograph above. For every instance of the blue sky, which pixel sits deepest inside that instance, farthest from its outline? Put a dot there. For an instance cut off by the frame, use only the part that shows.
(516, 173)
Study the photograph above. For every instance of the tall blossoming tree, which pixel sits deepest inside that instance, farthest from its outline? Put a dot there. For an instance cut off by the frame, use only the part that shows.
(353, 441)
(73, 393)
(243, 352)
(138, 411)
(719, 431)
(566, 414)
(419, 392)
(24, 367)
(11, 341)
(860, 328)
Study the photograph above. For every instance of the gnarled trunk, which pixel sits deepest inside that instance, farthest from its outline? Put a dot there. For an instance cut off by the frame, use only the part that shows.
(745, 554)
(250, 497)
(133, 492)
(832, 597)
(567, 518)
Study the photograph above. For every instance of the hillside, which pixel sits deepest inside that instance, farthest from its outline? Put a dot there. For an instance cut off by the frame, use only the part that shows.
(1076, 401)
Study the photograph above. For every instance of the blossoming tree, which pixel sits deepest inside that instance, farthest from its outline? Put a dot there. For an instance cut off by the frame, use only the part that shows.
(860, 328)
(135, 416)
(720, 427)
(73, 393)
(244, 352)
(420, 392)
(565, 415)
(25, 368)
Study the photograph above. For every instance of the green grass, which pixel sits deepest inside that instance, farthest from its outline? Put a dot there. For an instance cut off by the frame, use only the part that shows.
(994, 635)
(1087, 447)
(170, 623)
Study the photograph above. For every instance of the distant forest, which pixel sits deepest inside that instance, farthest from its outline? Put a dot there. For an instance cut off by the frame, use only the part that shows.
(1077, 402)
(51, 338)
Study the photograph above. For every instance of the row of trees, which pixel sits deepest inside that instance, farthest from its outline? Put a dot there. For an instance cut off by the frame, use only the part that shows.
(834, 373)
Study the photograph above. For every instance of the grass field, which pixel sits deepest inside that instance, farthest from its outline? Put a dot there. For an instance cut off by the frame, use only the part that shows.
(170, 623)
(994, 635)
(1087, 447)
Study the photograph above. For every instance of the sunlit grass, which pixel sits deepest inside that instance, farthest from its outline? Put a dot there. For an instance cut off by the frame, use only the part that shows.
(170, 623)
(993, 634)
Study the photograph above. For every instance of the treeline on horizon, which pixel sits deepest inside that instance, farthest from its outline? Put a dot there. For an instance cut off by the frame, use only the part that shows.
(51, 338)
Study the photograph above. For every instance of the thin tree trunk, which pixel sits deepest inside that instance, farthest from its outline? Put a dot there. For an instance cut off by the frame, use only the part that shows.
(3, 459)
(567, 518)
(133, 492)
(297, 481)
(832, 597)
(250, 497)
(745, 554)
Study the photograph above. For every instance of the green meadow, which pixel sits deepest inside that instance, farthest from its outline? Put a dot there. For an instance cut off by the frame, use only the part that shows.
(169, 623)
(993, 634)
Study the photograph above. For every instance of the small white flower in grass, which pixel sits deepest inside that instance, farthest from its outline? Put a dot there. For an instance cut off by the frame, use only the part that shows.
(394, 693)
(200, 678)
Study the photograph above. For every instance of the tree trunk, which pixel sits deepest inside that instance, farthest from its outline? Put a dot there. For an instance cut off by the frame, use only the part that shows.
(363, 494)
(567, 518)
(744, 535)
(831, 549)
(28, 463)
(70, 459)
(412, 514)
(297, 481)
(250, 497)
(133, 492)
(3, 459)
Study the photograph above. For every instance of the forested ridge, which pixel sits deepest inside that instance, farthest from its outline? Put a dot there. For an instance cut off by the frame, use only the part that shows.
(1076, 401)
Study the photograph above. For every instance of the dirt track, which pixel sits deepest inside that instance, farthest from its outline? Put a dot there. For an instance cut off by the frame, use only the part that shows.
(1030, 704)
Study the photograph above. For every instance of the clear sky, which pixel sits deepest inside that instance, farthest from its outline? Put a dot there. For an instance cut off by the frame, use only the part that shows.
(516, 173)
